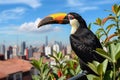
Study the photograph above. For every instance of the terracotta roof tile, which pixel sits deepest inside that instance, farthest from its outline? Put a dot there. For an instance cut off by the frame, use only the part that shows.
(14, 65)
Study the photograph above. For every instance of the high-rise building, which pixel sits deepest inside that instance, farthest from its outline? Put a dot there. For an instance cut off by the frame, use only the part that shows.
(15, 50)
(48, 50)
(69, 49)
(30, 52)
(2, 49)
(46, 41)
(26, 53)
(56, 47)
(23, 46)
(10, 52)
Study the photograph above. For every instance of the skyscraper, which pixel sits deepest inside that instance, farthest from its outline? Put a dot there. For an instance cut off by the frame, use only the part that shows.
(30, 52)
(15, 50)
(46, 41)
(2, 49)
(10, 52)
(48, 50)
(26, 53)
(56, 47)
(23, 46)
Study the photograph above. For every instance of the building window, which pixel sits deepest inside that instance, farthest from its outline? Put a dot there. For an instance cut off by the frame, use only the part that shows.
(10, 77)
(18, 76)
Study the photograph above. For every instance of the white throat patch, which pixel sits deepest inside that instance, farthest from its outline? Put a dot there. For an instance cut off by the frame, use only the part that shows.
(74, 24)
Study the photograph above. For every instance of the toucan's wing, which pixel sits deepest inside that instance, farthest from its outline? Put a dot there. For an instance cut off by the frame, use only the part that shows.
(84, 45)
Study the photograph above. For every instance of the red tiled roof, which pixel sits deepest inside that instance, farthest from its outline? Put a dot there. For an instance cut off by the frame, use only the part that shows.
(14, 65)
(2, 75)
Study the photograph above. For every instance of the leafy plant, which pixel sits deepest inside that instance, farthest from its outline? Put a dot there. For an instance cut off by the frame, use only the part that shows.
(64, 66)
(111, 42)
(43, 70)
(113, 20)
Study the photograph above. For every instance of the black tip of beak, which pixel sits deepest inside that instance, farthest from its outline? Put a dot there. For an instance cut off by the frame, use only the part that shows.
(47, 20)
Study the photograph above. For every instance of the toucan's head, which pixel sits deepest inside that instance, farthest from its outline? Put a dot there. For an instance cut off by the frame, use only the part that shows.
(74, 19)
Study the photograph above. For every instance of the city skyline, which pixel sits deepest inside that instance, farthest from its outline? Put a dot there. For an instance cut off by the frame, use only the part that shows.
(19, 19)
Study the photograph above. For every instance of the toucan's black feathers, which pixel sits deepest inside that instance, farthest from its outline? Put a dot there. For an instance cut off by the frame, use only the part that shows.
(83, 43)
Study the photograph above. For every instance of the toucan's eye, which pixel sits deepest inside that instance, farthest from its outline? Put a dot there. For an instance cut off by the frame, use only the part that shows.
(70, 17)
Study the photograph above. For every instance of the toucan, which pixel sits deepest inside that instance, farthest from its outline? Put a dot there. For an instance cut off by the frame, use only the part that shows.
(83, 41)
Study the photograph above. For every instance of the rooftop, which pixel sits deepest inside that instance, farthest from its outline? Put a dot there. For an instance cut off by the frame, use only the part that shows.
(13, 66)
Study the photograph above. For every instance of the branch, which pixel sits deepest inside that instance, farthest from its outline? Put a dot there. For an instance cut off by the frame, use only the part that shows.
(111, 36)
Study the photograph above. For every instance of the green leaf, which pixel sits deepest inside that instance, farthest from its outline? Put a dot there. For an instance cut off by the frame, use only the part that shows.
(109, 27)
(35, 77)
(117, 56)
(105, 64)
(72, 72)
(40, 61)
(36, 64)
(89, 26)
(60, 55)
(54, 57)
(104, 54)
(114, 49)
(108, 75)
(77, 70)
(62, 78)
(56, 66)
(100, 69)
(96, 63)
(118, 14)
(92, 77)
(98, 22)
(114, 8)
(101, 29)
(93, 67)
(46, 72)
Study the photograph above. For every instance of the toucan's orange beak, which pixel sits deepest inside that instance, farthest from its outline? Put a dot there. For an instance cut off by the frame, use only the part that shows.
(58, 18)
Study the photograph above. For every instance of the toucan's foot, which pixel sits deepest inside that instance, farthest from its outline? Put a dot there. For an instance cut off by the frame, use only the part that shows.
(81, 76)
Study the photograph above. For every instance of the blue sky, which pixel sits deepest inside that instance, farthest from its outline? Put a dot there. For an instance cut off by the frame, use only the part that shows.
(19, 18)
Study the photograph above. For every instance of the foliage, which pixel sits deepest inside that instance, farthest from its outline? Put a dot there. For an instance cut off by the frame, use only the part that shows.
(113, 20)
(62, 69)
(111, 43)
(64, 66)
(43, 70)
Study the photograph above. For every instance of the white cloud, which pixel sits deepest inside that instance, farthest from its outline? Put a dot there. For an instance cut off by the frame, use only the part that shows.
(31, 3)
(74, 3)
(82, 6)
(11, 14)
(28, 27)
(83, 9)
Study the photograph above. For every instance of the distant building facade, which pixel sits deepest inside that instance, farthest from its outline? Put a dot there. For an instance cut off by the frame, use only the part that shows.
(15, 51)
(56, 47)
(48, 50)
(30, 52)
(2, 49)
(9, 52)
(46, 41)
(68, 49)
(23, 46)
